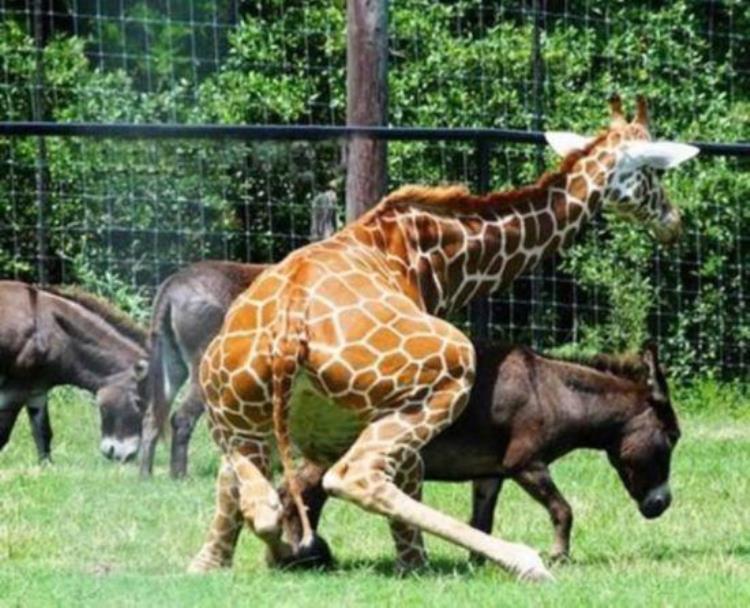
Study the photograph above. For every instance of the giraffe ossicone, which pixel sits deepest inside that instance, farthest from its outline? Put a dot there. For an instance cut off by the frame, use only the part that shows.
(357, 315)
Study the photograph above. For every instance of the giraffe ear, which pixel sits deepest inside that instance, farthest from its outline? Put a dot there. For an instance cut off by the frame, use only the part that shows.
(659, 154)
(564, 142)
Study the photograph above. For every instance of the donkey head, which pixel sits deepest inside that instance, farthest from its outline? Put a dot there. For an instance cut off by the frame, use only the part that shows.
(121, 407)
(633, 188)
(642, 452)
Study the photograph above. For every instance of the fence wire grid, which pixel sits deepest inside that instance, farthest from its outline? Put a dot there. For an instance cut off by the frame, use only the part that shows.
(119, 215)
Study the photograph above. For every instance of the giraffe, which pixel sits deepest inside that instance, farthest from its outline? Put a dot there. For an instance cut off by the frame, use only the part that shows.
(349, 330)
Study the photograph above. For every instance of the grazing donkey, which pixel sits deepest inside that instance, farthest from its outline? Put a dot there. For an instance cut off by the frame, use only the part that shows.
(187, 313)
(50, 337)
(526, 411)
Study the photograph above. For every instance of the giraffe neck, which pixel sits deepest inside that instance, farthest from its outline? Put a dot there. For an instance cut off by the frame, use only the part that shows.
(453, 251)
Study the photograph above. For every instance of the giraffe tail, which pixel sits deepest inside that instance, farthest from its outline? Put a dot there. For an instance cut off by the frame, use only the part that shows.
(288, 353)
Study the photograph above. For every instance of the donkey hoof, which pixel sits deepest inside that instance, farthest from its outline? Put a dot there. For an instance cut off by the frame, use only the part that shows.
(560, 557)
(316, 555)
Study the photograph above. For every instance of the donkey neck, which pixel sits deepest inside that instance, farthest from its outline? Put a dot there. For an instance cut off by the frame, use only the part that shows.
(90, 349)
(450, 246)
(596, 406)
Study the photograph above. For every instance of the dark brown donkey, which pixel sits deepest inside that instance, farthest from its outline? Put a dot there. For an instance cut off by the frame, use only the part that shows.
(188, 311)
(526, 411)
(50, 337)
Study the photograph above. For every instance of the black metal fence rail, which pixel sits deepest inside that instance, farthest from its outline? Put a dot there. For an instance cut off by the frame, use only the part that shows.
(306, 133)
(130, 203)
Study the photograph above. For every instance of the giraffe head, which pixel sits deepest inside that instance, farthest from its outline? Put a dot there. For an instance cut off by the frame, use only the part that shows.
(633, 165)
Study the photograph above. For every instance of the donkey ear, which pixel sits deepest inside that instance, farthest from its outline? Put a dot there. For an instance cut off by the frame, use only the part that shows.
(140, 368)
(650, 357)
(659, 154)
(565, 142)
(656, 380)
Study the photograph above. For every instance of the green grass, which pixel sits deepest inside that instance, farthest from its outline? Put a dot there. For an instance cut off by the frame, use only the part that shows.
(86, 532)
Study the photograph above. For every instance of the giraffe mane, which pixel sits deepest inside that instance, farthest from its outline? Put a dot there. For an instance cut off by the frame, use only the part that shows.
(458, 198)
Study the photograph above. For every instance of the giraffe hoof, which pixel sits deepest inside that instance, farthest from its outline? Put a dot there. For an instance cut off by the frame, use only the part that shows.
(534, 571)
(314, 556)
(202, 564)
(536, 576)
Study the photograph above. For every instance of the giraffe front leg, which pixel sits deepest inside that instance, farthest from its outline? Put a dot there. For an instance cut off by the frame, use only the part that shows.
(218, 550)
(365, 476)
(410, 552)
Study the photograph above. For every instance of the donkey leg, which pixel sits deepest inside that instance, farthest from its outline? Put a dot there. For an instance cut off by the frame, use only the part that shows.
(485, 493)
(183, 422)
(41, 429)
(8, 415)
(316, 554)
(365, 476)
(537, 481)
(218, 550)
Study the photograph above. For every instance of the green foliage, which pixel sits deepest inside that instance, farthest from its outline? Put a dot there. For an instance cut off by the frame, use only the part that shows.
(458, 63)
(131, 300)
(707, 397)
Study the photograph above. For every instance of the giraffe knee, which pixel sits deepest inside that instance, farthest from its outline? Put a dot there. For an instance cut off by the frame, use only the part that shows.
(263, 513)
(333, 481)
(343, 482)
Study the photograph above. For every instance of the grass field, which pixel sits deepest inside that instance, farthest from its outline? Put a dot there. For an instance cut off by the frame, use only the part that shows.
(85, 532)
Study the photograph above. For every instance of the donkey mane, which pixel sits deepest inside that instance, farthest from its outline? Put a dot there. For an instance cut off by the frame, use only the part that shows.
(103, 309)
(628, 366)
(458, 198)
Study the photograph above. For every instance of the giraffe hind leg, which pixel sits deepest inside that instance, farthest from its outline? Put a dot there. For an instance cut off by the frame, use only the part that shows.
(218, 550)
(410, 551)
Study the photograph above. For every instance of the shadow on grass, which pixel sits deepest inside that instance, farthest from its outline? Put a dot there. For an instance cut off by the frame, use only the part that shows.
(660, 554)
(387, 567)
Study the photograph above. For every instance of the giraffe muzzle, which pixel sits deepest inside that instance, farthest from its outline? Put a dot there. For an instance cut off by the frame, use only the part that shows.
(668, 229)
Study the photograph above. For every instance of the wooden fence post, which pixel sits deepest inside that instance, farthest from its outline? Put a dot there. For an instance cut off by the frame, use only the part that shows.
(366, 102)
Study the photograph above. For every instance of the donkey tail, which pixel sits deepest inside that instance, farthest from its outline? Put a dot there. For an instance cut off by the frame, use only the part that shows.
(288, 353)
(157, 398)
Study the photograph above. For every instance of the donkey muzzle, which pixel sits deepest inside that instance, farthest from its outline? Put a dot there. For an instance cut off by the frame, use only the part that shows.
(656, 502)
(120, 449)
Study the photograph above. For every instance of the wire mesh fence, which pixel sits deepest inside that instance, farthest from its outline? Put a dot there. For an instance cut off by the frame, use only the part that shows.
(75, 209)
